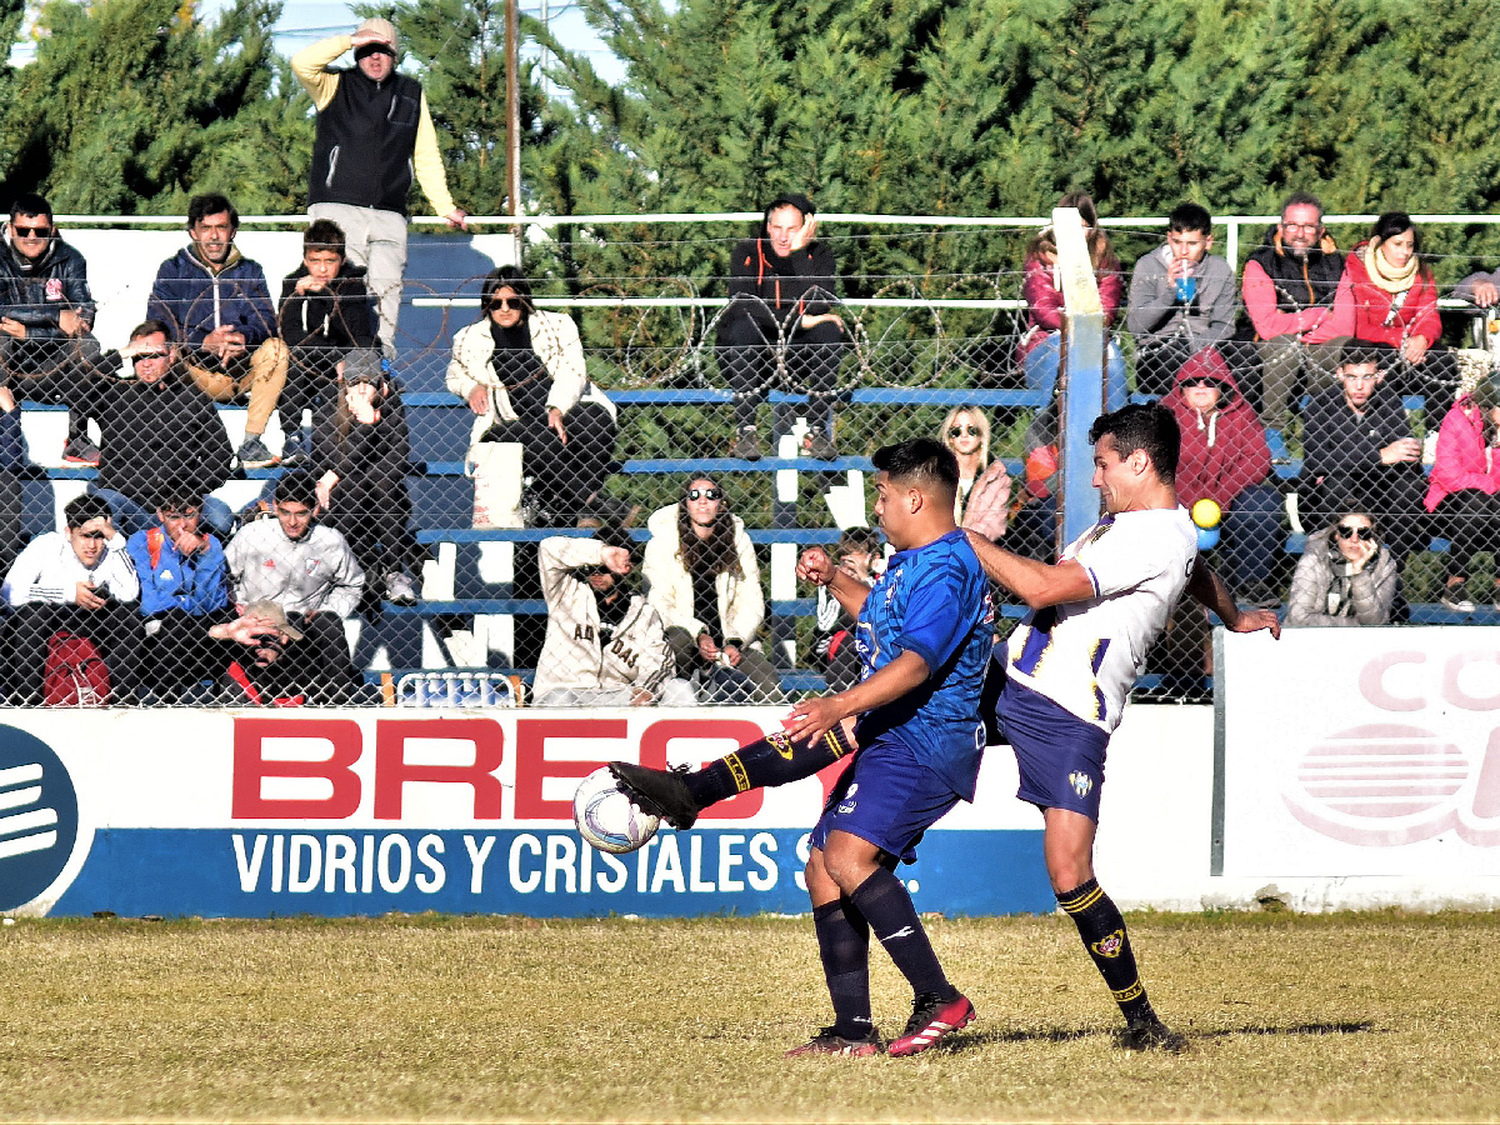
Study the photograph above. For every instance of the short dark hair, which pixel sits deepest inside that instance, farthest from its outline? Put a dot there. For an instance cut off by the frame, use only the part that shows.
(324, 234)
(298, 487)
(201, 207)
(30, 203)
(923, 462)
(177, 492)
(858, 538)
(1149, 427)
(150, 327)
(506, 277)
(1358, 352)
(83, 508)
(1303, 199)
(1188, 216)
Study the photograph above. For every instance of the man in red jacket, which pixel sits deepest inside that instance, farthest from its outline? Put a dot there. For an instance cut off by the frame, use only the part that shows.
(1225, 459)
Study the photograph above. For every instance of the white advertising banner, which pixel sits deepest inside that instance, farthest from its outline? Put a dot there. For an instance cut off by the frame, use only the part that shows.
(253, 814)
(1362, 751)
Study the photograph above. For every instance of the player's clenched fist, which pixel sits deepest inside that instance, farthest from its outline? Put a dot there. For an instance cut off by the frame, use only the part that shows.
(815, 566)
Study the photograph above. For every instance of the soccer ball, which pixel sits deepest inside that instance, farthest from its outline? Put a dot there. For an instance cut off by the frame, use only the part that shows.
(607, 819)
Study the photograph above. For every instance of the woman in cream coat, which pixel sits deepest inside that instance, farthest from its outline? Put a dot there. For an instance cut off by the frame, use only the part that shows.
(703, 579)
(522, 373)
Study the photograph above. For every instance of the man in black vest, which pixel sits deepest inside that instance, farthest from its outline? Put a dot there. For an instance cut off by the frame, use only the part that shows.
(374, 130)
(1289, 284)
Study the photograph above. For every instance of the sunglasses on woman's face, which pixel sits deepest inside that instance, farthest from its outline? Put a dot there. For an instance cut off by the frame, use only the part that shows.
(1347, 531)
(499, 304)
(704, 494)
(959, 431)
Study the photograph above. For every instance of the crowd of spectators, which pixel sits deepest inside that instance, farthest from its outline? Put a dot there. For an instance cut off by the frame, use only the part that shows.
(159, 583)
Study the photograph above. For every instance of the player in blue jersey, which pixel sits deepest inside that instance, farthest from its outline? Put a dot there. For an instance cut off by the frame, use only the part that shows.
(1093, 617)
(924, 635)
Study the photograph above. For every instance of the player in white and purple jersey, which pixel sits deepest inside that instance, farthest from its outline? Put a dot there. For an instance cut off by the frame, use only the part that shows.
(1093, 617)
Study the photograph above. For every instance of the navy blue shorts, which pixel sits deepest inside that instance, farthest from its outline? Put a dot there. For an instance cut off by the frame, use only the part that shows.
(1061, 757)
(886, 797)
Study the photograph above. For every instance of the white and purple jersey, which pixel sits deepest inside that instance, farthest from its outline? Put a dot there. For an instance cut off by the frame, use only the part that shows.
(1085, 656)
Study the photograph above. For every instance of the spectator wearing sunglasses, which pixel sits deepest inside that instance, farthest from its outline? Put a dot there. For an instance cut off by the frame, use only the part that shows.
(1225, 459)
(703, 579)
(46, 317)
(522, 373)
(80, 581)
(155, 427)
(966, 432)
(1345, 576)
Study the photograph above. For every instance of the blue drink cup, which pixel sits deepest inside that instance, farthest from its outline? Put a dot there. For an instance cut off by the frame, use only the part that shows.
(1187, 288)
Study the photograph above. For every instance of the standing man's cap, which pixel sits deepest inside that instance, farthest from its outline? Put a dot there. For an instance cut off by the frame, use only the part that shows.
(378, 31)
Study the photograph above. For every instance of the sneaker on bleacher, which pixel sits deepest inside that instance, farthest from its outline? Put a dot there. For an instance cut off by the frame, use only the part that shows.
(254, 454)
(400, 589)
(296, 449)
(746, 445)
(1455, 600)
(819, 445)
(81, 451)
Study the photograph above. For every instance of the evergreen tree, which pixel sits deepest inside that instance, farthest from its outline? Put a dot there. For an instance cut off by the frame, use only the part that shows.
(133, 105)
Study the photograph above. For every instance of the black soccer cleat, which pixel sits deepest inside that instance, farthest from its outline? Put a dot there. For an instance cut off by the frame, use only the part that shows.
(829, 1042)
(1153, 1035)
(661, 793)
(932, 1019)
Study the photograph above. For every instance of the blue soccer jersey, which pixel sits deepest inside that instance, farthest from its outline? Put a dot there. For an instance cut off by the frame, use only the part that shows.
(934, 601)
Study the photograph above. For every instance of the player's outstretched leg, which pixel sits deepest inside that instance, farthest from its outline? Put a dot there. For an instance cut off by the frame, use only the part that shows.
(678, 797)
(1102, 928)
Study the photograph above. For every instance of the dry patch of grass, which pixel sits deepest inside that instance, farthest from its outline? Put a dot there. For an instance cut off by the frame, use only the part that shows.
(1348, 1017)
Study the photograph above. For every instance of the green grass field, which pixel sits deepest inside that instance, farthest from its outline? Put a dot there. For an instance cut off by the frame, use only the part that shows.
(1346, 1017)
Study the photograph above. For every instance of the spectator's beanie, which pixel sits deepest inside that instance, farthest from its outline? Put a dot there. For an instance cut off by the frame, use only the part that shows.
(379, 30)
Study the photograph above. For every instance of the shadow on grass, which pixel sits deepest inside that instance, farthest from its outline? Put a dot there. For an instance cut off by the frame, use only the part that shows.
(1342, 1028)
(969, 1041)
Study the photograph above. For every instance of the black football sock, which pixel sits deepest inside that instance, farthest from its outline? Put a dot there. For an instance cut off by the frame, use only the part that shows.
(766, 762)
(844, 945)
(1102, 928)
(883, 900)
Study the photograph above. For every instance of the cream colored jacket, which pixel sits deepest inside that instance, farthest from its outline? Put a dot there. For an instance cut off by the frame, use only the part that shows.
(554, 338)
(742, 606)
(572, 655)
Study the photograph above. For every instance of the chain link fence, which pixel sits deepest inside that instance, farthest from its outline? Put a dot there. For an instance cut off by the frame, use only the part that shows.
(474, 517)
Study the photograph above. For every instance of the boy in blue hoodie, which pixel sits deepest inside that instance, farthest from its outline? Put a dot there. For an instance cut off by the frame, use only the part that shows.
(184, 589)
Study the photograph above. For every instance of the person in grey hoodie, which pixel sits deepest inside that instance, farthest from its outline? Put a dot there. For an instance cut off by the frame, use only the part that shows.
(1182, 300)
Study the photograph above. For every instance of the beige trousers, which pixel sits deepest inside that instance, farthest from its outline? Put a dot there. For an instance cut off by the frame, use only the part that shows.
(263, 375)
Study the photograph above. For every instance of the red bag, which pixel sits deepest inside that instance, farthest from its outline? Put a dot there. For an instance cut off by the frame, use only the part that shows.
(74, 675)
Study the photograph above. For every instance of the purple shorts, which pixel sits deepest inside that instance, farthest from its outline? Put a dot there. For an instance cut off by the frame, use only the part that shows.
(886, 797)
(1060, 757)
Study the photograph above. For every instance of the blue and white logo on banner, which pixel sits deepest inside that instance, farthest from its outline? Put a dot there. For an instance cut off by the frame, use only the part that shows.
(38, 817)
